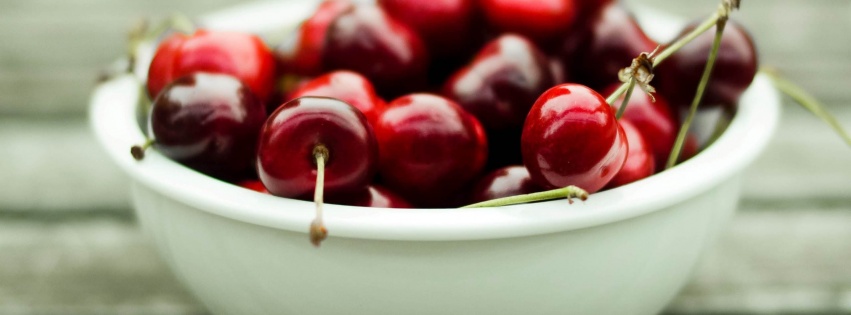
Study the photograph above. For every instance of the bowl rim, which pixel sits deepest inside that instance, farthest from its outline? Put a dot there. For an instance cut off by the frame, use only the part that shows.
(113, 108)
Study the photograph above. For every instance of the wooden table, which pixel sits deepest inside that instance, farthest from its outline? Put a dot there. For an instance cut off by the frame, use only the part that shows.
(69, 243)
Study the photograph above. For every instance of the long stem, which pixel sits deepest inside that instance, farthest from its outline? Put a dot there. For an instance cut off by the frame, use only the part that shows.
(626, 98)
(808, 102)
(701, 88)
(568, 192)
(318, 232)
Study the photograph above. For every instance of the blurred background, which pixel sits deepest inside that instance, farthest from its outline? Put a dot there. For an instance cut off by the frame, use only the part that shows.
(69, 243)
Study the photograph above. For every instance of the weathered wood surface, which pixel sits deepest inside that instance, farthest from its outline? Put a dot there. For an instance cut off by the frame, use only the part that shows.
(69, 245)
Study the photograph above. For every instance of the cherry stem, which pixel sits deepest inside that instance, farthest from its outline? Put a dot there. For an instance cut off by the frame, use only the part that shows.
(807, 101)
(629, 88)
(701, 88)
(568, 192)
(138, 151)
(318, 232)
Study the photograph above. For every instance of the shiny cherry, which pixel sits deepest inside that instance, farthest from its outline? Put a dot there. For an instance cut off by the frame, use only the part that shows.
(374, 197)
(607, 44)
(430, 148)
(655, 120)
(367, 40)
(296, 132)
(208, 122)
(504, 182)
(301, 54)
(542, 21)
(571, 137)
(346, 86)
(734, 70)
(640, 162)
(241, 55)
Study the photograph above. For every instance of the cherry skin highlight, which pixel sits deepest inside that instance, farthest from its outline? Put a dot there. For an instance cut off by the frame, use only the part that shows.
(430, 149)
(504, 182)
(640, 162)
(241, 55)
(734, 70)
(374, 197)
(302, 54)
(366, 40)
(286, 161)
(346, 86)
(208, 122)
(571, 137)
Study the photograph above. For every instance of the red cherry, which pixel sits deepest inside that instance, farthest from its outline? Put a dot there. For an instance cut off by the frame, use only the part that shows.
(255, 185)
(654, 120)
(639, 160)
(446, 26)
(367, 40)
(241, 55)
(346, 86)
(208, 122)
(571, 137)
(607, 44)
(734, 70)
(429, 148)
(541, 21)
(302, 53)
(291, 136)
(374, 197)
(504, 182)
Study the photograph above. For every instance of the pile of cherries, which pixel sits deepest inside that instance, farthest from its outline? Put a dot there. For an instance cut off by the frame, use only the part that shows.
(440, 103)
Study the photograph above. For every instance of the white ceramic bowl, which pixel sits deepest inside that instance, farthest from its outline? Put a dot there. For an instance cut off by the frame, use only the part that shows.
(624, 251)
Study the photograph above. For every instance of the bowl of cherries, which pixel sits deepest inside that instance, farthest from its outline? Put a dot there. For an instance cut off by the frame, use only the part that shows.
(451, 157)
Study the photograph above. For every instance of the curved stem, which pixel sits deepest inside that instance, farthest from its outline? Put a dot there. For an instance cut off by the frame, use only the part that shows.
(568, 192)
(138, 151)
(808, 102)
(622, 109)
(318, 232)
(701, 88)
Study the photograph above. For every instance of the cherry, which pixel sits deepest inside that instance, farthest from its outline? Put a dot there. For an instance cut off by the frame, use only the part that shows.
(367, 40)
(607, 44)
(302, 54)
(255, 185)
(447, 27)
(208, 122)
(571, 137)
(241, 55)
(346, 86)
(541, 21)
(734, 70)
(429, 148)
(640, 162)
(304, 127)
(655, 120)
(374, 197)
(504, 182)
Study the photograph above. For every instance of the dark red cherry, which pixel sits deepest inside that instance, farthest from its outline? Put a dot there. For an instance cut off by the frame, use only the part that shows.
(734, 70)
(374, 197)
(241, 55)
(639, 160)
(367, 40)
(541, 21)
(208, 122)
(607, 44)
(346, 86)
(446, 26)
(301, 54)
(504, 182)
(654, 120)
(291, 136)
(502, 82)
(430, 148)
(571, 137)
